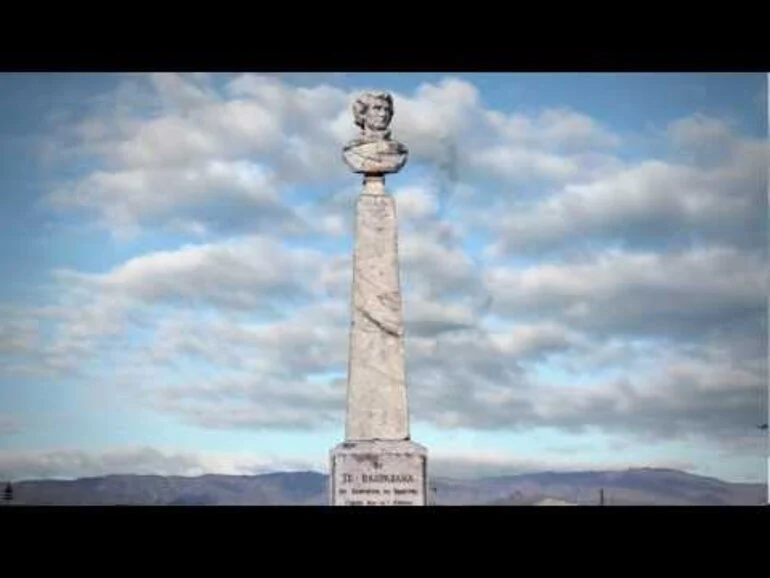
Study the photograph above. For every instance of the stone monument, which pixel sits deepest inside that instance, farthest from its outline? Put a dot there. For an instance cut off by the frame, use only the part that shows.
(377, 464)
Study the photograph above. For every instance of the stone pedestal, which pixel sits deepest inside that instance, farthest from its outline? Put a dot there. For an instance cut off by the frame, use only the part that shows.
(379, 473)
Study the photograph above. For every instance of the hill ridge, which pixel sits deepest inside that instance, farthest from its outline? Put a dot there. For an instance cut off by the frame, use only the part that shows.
(632, 486)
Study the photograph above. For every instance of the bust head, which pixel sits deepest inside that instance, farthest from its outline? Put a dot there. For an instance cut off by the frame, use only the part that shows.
(372, 113)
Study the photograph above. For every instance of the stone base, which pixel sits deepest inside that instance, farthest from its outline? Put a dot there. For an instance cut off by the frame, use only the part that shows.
(379, 473)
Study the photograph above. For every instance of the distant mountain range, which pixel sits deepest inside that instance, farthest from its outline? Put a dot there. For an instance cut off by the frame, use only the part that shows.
(645, 486)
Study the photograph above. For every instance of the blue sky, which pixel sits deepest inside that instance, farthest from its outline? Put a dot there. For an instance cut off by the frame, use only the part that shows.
(583, 260)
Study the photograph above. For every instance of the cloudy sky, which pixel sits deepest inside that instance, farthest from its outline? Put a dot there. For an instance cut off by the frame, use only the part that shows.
(583, 264)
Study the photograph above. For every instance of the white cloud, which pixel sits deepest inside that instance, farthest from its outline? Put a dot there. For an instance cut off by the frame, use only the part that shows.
(9, 425)
(17, 334)
(460, 464)
(463, 373)
(653, 202)
(415, 203)
(220, 159)
(434, 115)
(706, 139)
(183, 90)
(473, 383)
(201, 145)
(522, 163)
(238, 273)
(100, 318)
(524, 341)
(552, 128)
(122, 197)
(145, 460)
(71, 463)
(689, 292)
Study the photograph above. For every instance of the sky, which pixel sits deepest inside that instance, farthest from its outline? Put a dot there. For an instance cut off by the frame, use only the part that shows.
(583, 264)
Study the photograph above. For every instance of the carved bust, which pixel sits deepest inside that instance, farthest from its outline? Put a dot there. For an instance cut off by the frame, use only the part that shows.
(373, 151)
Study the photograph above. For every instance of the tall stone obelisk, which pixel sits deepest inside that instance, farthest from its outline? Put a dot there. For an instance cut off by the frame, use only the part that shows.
(378, 464)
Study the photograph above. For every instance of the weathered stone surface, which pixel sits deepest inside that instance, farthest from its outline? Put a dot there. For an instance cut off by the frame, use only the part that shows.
(377, 398)
(379, 473)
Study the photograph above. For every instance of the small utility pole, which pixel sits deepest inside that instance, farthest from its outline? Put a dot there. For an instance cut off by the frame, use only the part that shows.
(601, 496)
